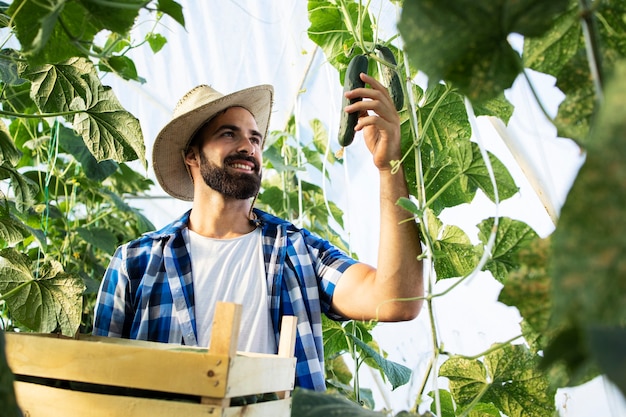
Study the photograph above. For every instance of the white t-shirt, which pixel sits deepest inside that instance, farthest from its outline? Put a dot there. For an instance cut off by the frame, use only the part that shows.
(232, 270)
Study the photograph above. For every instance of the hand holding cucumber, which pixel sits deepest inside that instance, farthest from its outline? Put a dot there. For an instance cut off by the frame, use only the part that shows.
(377, 118)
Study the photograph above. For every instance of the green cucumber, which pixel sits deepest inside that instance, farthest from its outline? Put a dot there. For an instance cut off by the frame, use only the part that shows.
(390, 77)
(352, 80)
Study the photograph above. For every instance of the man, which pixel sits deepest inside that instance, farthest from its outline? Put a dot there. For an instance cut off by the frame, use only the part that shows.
(164, 286)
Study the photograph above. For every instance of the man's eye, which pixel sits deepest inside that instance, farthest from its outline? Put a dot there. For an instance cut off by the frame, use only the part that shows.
(256, 140)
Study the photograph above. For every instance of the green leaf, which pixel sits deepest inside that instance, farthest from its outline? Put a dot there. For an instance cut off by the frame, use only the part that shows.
(588, 269)
(590, 240)
(111, 15)
(45, 40)
(329, 30)
(518, 388)
(465, 42)
(42, 298)
(409, 206)
(508, 378)
(109, 131)
(12, 230)
(9, 73)
(334, 336)
(455, 255)
(156, 41)
(99, 237)
(397, 374)
(24, 189)
(445, 401)
(172, 9)
(528, 288)
(8, 152)
(607, 346)
(74, 145)
(512, 236)
(338, 370)
(478, 175)
(468, 379)
(550, 52)
(122, 66)
(308, 403)
(498, 107)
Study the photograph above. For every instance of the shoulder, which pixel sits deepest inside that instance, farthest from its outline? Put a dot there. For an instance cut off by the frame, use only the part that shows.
(146, 241)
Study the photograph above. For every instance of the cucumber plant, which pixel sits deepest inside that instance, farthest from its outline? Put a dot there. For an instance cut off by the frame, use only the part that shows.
(463, 49)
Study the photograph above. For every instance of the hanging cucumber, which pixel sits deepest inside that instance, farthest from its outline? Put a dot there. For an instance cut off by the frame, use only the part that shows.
(390, 77)
(352, 80)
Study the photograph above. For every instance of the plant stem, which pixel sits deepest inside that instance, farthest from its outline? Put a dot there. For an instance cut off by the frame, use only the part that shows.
(493, 348)
(38, 116)
(590, 33)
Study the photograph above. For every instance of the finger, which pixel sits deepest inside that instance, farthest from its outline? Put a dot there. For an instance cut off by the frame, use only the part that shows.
(376, 103)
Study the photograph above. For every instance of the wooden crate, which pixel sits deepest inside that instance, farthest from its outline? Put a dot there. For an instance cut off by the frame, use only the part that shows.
(100, 376)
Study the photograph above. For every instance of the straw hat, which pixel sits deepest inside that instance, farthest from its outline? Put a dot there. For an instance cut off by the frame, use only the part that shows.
(192, 111)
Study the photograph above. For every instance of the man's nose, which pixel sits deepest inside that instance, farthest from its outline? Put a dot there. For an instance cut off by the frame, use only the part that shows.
(246, 146)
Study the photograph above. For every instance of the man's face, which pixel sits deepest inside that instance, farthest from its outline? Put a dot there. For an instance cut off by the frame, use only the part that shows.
(230, 154)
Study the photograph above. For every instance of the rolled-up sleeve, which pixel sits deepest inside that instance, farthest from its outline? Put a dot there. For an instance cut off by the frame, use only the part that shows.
(111, 311)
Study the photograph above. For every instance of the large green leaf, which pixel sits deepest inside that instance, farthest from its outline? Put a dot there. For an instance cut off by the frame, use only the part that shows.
(172, 9)
(74, 145)
(607, 346)
(329, 30)
(590, 239)
(307, 403)
(562, 52)
(42, 298)
(453, 167)
(454, 253)
(8, 152)
(397, 374)
(52, 31)
(12, 230)
(465, 42)
(24, 189)
(478, 174)
(102, 238)
(527, 287)
(512, 236)
(109, 131)
(589, 244)
(550, 52)
(508, 378)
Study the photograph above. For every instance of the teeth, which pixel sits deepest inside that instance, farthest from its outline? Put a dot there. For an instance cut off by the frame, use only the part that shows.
(241, 166)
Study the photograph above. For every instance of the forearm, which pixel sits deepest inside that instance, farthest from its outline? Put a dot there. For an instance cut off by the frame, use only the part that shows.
(399, 273)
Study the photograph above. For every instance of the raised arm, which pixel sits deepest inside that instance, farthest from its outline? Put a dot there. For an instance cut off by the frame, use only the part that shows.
(364, 292)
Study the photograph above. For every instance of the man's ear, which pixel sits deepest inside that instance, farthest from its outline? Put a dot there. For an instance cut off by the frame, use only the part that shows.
(191, 157)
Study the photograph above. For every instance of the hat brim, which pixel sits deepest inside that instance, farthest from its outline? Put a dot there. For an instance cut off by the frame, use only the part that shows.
(172, 141)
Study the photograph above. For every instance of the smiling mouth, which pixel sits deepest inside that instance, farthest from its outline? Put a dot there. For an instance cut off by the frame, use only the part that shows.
(242, 166)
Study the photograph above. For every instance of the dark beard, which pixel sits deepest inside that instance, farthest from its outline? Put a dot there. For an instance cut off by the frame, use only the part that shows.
(238, 186)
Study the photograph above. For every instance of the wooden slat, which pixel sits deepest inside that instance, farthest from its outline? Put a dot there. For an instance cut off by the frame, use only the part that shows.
(42, 401)
(181, 371)
(287, 346)
(249, 375)
(225, 329)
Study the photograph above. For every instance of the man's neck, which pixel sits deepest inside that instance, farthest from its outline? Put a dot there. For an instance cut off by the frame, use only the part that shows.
(220, 218)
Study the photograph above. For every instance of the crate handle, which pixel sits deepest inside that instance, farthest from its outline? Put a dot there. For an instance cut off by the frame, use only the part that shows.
(287, 343)
(225, 329)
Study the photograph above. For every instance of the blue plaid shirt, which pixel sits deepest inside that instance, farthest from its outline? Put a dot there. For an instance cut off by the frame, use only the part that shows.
(147, 290)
